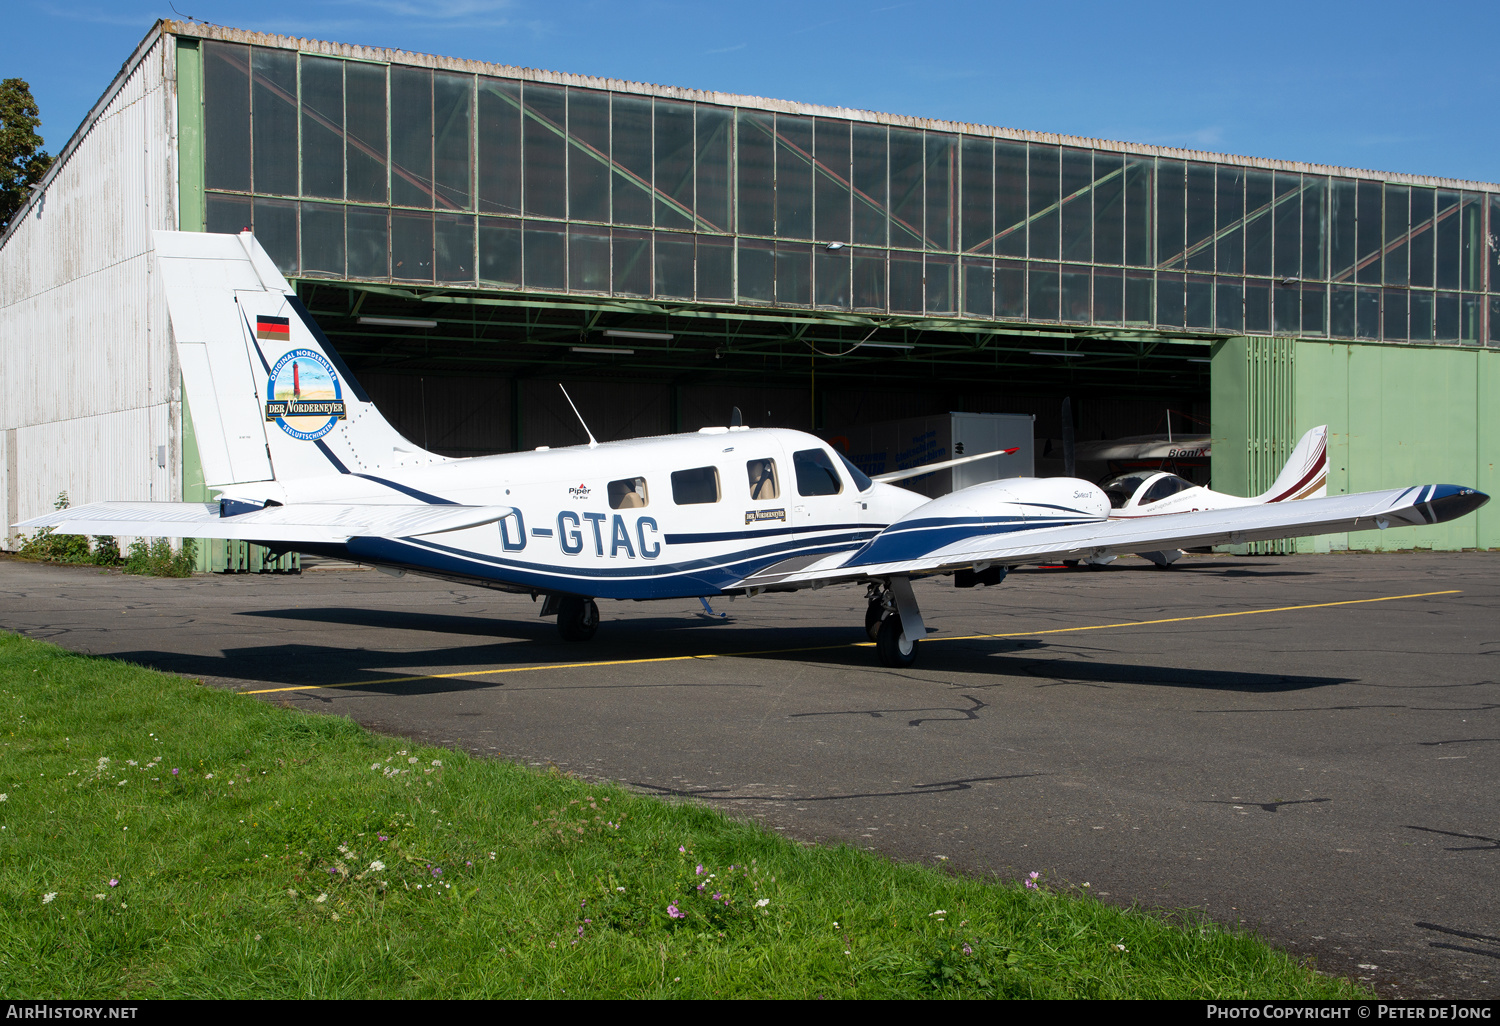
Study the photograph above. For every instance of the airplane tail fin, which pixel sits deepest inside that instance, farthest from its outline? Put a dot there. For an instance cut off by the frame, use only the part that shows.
(1305, 475)
(270, 398)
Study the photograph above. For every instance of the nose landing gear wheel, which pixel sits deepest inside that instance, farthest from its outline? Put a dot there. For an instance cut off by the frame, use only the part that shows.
(577, 618)
(891, 644)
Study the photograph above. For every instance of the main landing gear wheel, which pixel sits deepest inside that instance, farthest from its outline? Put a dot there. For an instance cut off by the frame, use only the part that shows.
(891, 644)
(577, 618)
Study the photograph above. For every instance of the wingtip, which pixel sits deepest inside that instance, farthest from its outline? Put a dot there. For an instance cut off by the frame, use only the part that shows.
(1449, 502)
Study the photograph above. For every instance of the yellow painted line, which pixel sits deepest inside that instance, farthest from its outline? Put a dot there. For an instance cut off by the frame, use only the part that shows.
(827, 648)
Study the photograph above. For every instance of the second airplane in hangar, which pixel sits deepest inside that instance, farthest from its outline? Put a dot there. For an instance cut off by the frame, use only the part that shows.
(302, 460)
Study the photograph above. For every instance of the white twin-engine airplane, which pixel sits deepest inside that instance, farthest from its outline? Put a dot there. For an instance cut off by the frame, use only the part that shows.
(303, 461)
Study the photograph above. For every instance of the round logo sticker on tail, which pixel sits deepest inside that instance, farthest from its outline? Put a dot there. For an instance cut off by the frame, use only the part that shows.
(304, 396)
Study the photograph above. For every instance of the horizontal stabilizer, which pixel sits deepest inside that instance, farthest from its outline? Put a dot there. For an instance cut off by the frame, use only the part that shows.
(308, 523)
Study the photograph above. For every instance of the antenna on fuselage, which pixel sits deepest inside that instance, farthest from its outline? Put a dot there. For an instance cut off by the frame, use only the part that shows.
(592, 443)
(735, 419)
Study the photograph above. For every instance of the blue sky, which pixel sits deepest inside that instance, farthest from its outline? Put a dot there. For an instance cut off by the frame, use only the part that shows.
(1393, 87)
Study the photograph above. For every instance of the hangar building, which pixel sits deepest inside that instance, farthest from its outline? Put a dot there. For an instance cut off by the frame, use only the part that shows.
(468, 235)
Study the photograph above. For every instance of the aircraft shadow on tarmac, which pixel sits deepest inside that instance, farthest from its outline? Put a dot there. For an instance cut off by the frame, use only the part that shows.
(475, 626)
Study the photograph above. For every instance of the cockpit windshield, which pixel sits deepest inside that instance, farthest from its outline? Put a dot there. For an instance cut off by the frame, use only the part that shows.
(1119, 489)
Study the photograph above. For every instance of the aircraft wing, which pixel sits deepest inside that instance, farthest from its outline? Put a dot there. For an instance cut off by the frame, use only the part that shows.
(916, 545)
(308, 523)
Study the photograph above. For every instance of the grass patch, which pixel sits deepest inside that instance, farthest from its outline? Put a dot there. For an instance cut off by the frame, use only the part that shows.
(159, 838)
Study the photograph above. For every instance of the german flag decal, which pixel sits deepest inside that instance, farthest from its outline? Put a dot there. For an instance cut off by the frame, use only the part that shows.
(276, 329)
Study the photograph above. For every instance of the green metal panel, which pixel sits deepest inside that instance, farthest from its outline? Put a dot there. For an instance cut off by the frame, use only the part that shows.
(191, 207)
(1229, 390)
(1487, 449)
(1322, 397)
(1253, 392)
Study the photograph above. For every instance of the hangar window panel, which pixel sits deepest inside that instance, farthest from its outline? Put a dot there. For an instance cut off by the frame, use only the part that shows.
(1170, 297)
(369, 242)
(815, 473)
(794, 177)
(1077, 187)
(1109, 296)
(545, 254)
(1287, 312)
(1397, 233)
(831, 279)
(695, 487)
(756, 166)
(544, 166)
(1470, 308)
(1445, 328)
(831, 183)
(411, 137)
(1287, 225)
(273, 99)
(1314, 229)
(906, 189)
(715, 268)
(1367, 313)
(323, 239)
(715, 204)
(674, 164)
(762, 477)
(869, 166)
(322, 127)
(499, 171)
(1494, 237)
(365, 129)
(1200, 217)
(453, 242)
(979, 287)
(1139, 189)
(226, 116)
(1259, 201)
(977, 203)
(793, 274)
(1043, 222)
(630, 155)
(1447, 240)
(1421, 316)
(500, 251)
(1138, 296)
(1258, 306)
(1341, 311)
(1494, 320)
(1010, 199)
(906, 282)
(452, 110)
(1074, 294)
(756, 281)
(588, 155)
(674, 265)
(1171, 213)
(629, 493)
(588, 259)
(1368, 233)
(228, 215)
(869, 279)
(1342, 230)
(632, 263)
(1042, 288)
(1314, 309)
(942, 285)
(1229, 304)
(1010, 290)
(942, 185)
(1109, 209)
(1198, 301)
(1423, 233)
(275, 223)
(411, 245)
(1393, 321)
(1229, 216)
(1471, 242)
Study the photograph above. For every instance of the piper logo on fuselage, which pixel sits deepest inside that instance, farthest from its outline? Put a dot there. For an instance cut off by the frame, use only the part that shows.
(579, 493)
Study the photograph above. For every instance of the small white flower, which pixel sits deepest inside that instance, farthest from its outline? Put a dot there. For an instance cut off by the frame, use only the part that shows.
(412, 760)
(939, 912)
(763, 902)
(437, 762)
(208, 776)
(98, 897)
(377, 865)
(321, 898)
(47, 898)
(374, 765)
(3, 797)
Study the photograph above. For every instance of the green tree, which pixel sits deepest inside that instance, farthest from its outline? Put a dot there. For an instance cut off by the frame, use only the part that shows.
(22, 161)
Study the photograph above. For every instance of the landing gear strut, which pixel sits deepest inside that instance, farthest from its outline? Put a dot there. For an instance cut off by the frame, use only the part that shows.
(879, 606)
(577, 618)
(894, 622)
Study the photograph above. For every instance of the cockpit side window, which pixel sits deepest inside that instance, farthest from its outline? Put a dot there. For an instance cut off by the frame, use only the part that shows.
(629, 493)
(763, 483)
(1163, 487)
(696, 486)
(815, 473)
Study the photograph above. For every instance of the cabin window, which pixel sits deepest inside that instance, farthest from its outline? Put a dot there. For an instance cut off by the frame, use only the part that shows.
(1169, 485)
(763, 483)
(693, 487)
(628, 494)
(815, 473)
